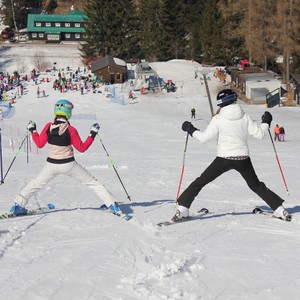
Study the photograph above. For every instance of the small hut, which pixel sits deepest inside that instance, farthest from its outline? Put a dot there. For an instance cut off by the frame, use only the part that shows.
(110, 69)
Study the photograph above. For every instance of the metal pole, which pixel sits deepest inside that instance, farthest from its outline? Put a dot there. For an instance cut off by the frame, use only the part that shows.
(112, 164)
(182, 169)
(208, 94)
(15, 157)
(1, 161)
(279, 163)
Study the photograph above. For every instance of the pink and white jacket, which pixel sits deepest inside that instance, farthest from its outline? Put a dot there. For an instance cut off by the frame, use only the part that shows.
(61, 137)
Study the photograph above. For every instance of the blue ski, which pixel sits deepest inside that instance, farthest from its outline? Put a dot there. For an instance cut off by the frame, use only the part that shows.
(32, 212)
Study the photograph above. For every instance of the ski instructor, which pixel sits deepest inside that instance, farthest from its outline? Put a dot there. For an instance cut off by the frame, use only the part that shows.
(231, 126)
(62, 137)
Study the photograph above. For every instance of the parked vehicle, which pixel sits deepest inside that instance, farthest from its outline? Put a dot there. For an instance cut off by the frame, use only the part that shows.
(7, 33)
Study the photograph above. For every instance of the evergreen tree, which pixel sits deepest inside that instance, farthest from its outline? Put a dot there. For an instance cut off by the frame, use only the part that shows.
(212, 39)
(96, 32)
(150, 29)
(192, 10)
(173, 36)
(110, 29)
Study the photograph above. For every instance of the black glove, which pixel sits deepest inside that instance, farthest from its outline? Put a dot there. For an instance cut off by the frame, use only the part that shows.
(267, 118)
(31, 126)
(94, 130)
(189, 127)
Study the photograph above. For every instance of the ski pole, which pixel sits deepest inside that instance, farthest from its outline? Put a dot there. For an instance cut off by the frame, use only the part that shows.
(1, 161)
(278, 163)
(182, 169)
(112, 164)
(18, 151)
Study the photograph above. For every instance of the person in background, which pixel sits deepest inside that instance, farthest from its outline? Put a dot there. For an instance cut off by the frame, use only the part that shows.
(193, 113)
(281, 133)
(62, 138)
(231, 127)
(276, 133)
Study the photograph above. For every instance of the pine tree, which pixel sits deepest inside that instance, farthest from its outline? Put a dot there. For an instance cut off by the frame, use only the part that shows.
(110, 29)
(150, 29)
(173, 37)
(192, 11)
(212, 39)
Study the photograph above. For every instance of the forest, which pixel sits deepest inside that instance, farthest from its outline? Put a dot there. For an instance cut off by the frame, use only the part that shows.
(208, 31)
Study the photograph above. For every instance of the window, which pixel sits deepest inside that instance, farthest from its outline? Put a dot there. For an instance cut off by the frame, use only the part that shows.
(57, 24)
(48, 24)
(67, 25)
(53, 37)
(34, 35)
(118, 76)
(41, 35)
(77, 24)
(77, 36)
(68, 35)
(38, 24)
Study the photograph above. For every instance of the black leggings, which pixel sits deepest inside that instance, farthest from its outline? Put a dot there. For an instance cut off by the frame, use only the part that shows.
(221, 165)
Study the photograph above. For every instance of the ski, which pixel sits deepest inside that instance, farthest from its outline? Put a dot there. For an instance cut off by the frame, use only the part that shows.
(32, 212)
(259, 211)
(200, 213)
(124, 216)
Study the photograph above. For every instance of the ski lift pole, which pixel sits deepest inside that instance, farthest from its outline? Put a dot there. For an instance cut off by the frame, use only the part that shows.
(182, 169)
(282, 175)
(17, 153)
(1, 161)
(112, 164)
(208, 94)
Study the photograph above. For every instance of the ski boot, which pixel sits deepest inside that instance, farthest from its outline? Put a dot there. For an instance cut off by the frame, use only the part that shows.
(281, 213)
(18, 210)
(181, 212)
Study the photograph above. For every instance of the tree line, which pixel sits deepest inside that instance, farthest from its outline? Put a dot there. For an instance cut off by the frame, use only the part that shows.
(207, 31)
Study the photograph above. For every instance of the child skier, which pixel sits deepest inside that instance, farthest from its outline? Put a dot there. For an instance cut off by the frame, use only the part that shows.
(231, 126)
(276, 133)
(62, 137)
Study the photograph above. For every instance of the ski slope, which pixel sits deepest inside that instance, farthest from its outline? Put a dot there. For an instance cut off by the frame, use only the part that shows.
(79, 253)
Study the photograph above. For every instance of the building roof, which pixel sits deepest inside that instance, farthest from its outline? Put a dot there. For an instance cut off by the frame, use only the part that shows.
(296, 77)
(73, 16)
(258, 77)
(107, 61)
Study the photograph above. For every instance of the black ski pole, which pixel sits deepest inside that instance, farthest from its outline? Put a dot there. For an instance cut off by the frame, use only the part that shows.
(1, 161)
(18, 151)
(112, 164)
(278, 163)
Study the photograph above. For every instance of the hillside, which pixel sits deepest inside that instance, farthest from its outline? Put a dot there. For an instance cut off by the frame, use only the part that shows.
(77, 252)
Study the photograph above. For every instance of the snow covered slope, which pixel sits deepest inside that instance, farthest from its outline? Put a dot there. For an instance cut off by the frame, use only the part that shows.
(77, 252)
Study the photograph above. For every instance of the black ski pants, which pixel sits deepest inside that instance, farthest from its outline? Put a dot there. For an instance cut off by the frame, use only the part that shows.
(221, 165)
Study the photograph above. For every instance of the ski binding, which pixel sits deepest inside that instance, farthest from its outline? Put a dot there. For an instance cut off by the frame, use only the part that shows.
(201, 212)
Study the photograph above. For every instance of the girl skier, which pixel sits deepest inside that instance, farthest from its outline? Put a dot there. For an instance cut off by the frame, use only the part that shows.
(62, 137)
(232, 127)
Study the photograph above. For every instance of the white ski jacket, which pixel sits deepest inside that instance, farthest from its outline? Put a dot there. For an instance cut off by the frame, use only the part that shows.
(231, 127)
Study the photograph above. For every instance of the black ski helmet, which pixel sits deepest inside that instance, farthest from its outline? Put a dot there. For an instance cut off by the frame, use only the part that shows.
(226, 97)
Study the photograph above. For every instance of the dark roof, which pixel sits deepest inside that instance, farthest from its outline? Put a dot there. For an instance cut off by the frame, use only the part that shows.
(107, 61)
(296, 77)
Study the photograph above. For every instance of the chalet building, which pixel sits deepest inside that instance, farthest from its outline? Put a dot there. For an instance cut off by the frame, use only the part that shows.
(57, 28)
(110, 69)
(295, 79)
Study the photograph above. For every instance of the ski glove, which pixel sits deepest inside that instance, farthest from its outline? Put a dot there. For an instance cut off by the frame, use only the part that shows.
(94, 130)
(31, 126)
(189, 127)
(267, 118)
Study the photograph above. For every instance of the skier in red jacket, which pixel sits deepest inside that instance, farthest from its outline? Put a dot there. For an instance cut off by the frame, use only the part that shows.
(62, 138)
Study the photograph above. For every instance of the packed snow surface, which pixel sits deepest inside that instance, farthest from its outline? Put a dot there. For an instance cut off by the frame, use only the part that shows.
(77, 252)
